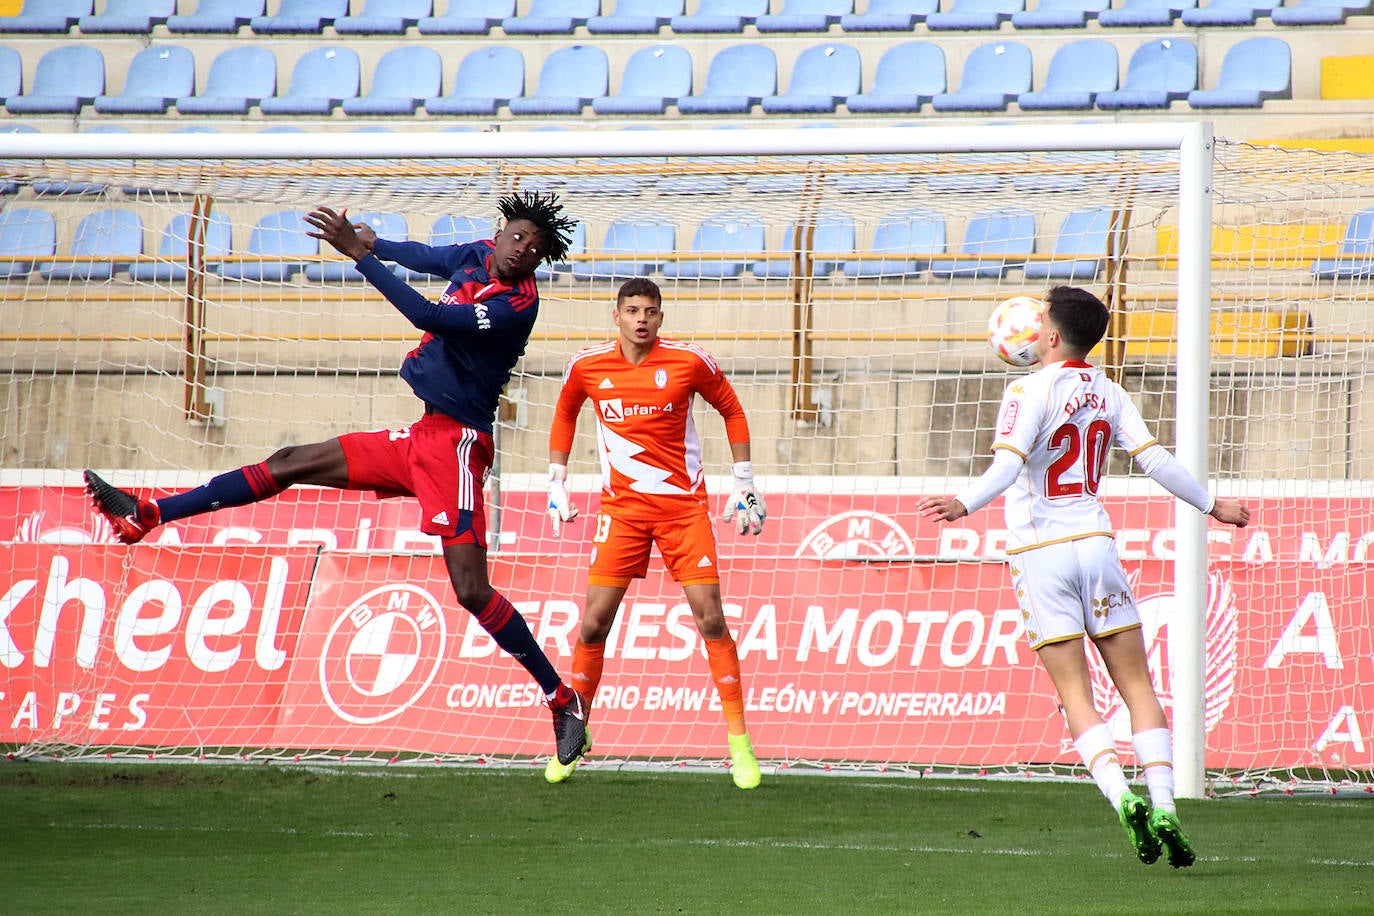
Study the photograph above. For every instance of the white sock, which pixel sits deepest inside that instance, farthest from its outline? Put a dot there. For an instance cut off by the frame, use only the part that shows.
(1155, 754)
(1098, 751)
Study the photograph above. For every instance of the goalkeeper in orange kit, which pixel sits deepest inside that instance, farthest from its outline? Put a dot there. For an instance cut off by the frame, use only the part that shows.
(652, 492)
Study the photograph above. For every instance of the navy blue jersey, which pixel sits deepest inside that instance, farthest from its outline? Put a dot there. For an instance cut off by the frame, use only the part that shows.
(474, 334)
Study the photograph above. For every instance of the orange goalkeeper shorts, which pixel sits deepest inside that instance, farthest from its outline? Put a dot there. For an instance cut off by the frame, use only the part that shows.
(620, 549)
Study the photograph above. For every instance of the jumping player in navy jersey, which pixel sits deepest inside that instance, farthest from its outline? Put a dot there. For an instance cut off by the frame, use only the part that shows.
(473, 336)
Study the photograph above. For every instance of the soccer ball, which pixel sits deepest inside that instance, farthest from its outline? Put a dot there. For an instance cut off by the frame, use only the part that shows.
(1014, 327)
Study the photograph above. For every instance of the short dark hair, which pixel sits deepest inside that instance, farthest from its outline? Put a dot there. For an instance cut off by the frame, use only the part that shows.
(546, 213)
(1079, 315)
(638, 286)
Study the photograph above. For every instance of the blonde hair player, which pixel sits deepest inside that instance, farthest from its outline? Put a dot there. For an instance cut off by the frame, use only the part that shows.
(1053, 432)
(652, 492)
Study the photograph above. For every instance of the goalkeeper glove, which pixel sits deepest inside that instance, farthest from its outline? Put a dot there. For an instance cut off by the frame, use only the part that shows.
(745, 508)
(561, 508)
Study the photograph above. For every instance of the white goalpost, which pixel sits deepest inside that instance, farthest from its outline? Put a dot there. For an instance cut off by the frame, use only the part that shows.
(169, 321)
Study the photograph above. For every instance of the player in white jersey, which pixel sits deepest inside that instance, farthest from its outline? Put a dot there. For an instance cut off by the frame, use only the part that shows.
(1054, 430)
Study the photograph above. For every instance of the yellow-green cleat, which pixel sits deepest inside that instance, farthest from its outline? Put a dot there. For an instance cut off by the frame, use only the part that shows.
(744, 766)
(556, 772)
(1135, 817)
(1166, 827)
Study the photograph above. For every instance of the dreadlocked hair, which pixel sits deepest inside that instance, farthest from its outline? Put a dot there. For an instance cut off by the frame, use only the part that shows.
(546, 213)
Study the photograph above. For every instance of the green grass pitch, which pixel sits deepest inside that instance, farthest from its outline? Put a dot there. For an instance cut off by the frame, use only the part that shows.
(209, 838)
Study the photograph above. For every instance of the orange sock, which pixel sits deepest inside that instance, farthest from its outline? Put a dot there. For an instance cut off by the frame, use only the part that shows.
(588, 660)
(724, 661)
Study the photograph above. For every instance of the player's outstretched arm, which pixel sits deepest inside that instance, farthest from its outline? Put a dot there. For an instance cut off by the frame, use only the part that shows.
(1231, 512)
(342, 235)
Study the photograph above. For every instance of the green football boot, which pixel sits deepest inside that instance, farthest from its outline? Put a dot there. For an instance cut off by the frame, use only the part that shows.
(1135, 817)
(1166, 827)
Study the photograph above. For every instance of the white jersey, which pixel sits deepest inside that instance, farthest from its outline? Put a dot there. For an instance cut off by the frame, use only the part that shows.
(1062, 421)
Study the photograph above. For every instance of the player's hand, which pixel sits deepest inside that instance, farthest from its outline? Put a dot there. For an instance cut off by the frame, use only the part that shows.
(745, 506)
(941, 508)
(335, 229)
(561, 508)
(1230, 511)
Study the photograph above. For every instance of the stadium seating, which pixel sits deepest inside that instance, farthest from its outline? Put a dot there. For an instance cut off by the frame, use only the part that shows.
(11, 73)
(1228, 12)
(1059, 14)
(907, 239)
(832, 241)
(128, 16)
(822, 77)
(25, 231)
(470, 17)
(1318, 12)
(735, 233)
(279, 246)
(391, 226)
(636, 17)
(631, 248)
(68, 78)
(889, 16)
(1160, 72)
(578, 245)
(218, 16)
(1355, 258)
(907, 76)
(995, 241)
(403, 78)
(300, 17)
(487, 78)
(458, 230)
(322, 78)
(805, 16)
(654, 78)
(720, 16)
(974, 15)
(1252, 71)
(1078, 71)
(552, 17)
(385, 17)
(157, 77)
(47, 16)
(570, 78)
(1145, 13)
(994, 74)
(170, 266)
(239, 78)
(109, 233)
(739, 78)
(1079, 249)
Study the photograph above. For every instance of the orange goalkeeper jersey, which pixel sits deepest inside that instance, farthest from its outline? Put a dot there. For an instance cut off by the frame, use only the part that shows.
(650, 451)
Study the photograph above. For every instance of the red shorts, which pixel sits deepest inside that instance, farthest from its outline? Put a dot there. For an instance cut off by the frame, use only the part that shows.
(439, 461)
(620, 549)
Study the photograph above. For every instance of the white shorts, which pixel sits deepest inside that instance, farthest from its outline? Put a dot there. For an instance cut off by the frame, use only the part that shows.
(1071, 589)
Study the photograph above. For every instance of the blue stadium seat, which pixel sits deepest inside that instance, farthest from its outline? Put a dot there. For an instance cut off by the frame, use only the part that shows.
(630, 249)
(636, 17)
(157, 77)
(240, 77)
(739, 77)
(1145, 13)
(832, 241)
(805, 16)
(907, 76)
(300, 17)
(128, 16)
(1355, 258)
(403, 79)
(25, 231)
(459, 230)
(469, 17)
(907, 239)
(68, 78)
(822, 77)
(1319, 12)
(1059, 14)
(716, 16)
(889, 16)
(996, 241)
(108, 233)
(654, 78)
(391, 226)
(1252, 71)
(385, 17)
(732, 233)
(58, 186)
(321, 80)
(1080, 248)
(1160, 71)
(279, 248)
(170, 265)
(570, 79)
(11, 73)
(1078, 71)
(552, 17)
(1228, 12)
(218, 17)
(47, 16)
(994, 74)
(974, 15)
(487, 78)
(546, 271)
